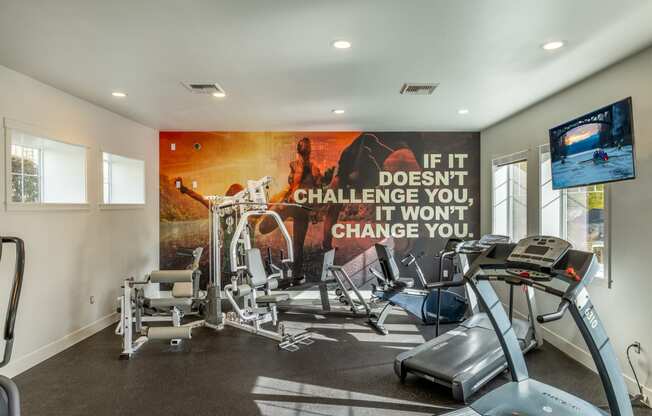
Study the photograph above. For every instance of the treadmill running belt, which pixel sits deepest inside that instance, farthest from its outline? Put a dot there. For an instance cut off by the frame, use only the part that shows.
(471, 350)
(464, 358)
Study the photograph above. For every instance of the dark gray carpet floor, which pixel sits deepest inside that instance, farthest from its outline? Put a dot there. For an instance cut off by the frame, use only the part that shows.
(347, 371)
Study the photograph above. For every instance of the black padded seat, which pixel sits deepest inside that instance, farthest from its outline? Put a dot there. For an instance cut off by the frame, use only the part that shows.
(404, 282)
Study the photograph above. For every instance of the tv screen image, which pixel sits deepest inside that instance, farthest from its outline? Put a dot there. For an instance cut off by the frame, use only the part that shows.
(595, 148)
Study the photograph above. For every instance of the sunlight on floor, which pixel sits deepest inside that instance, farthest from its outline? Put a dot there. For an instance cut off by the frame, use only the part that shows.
(391, 338)
(399, 333)
(284, 398)
(349, 326)
(397, 347)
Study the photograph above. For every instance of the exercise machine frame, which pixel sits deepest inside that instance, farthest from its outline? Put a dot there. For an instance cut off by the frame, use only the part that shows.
(248, 203)
(332, 276)
(524, 395)
(398, 292)
(9, 390)
(132, 303)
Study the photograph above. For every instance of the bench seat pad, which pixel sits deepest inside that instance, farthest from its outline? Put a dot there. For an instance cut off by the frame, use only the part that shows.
(167, 302)
(274, 298)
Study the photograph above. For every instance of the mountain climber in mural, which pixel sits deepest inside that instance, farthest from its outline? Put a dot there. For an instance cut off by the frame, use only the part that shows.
(358, 167)
(304, 174)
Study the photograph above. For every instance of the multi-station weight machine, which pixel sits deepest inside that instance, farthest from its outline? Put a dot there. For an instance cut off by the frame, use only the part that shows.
(229, 225)
(230, 228)
(238, 276)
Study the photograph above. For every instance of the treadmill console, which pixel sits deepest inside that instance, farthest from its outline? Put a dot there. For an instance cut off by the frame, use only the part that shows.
(539, 251)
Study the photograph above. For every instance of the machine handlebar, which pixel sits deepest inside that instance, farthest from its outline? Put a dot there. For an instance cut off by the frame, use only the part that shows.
(445, 285)
(14, 296)
(410, 258)
(555, 316)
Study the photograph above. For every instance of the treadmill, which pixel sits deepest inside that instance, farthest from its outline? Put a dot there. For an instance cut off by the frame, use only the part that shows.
(535, 262)
(469, 356)
(9, 398)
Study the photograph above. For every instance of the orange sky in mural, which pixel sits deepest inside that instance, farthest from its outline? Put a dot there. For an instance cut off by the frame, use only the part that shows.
(233, 157)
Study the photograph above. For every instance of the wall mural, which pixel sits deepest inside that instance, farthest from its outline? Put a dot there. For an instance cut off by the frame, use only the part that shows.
(416, 188)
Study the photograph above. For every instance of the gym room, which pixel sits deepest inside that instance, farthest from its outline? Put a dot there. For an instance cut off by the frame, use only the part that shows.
(325, 207)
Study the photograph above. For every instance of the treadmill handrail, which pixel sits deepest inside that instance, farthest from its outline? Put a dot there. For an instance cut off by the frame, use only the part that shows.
(14, 297)
(575, 299)
(555, 316)
(522, 280)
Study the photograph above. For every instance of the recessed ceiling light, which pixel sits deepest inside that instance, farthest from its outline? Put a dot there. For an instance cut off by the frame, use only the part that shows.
(118, 94)
(219, 94)
(551, 46)
(463, 111)
(338, 111)
(341, 44)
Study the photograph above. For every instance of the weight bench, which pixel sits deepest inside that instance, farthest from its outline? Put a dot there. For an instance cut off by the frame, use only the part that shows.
(137, 308)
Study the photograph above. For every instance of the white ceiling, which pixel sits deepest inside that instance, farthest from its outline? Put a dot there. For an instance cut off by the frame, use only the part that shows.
(274, 59)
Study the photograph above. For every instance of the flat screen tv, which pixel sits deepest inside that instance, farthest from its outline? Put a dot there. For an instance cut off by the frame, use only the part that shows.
(595, 148)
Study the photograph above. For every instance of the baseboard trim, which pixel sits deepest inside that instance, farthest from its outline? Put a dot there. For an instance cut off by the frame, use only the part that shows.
(580, 355)
(33, 358)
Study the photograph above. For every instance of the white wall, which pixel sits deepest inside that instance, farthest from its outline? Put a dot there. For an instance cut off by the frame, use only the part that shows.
(626, 309)
(73, 255)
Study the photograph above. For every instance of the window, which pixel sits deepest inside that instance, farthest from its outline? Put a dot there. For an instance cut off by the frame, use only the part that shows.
(123, 180)
(45, 171)
(509, 196)
(575, 214)
(25, 173)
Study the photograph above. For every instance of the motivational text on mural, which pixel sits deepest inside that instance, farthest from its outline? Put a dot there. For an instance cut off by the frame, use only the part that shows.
(400, 211)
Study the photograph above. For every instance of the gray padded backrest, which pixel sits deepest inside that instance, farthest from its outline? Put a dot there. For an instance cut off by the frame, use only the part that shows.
(387, 262)
(171, 276)
(329, 258)
(256, 267)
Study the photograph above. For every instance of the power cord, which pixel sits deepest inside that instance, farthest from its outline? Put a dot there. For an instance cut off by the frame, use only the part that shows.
(639, 399)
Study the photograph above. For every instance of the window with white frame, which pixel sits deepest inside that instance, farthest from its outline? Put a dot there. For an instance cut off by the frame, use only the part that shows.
(44, 171)
(509, 196)
(575, 214)
(123, 179)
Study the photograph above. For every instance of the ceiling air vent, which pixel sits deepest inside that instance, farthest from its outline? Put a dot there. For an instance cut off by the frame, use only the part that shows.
(413, 88)
(203, 87)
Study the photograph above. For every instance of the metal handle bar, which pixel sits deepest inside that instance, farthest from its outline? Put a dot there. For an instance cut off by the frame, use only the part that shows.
(554, 316)
(445, 285)
(411, 258)
(14, 296)
(514, 279)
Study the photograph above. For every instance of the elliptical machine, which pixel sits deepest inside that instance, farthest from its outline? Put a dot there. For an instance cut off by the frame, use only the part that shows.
(431, 306)
(9, 397)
